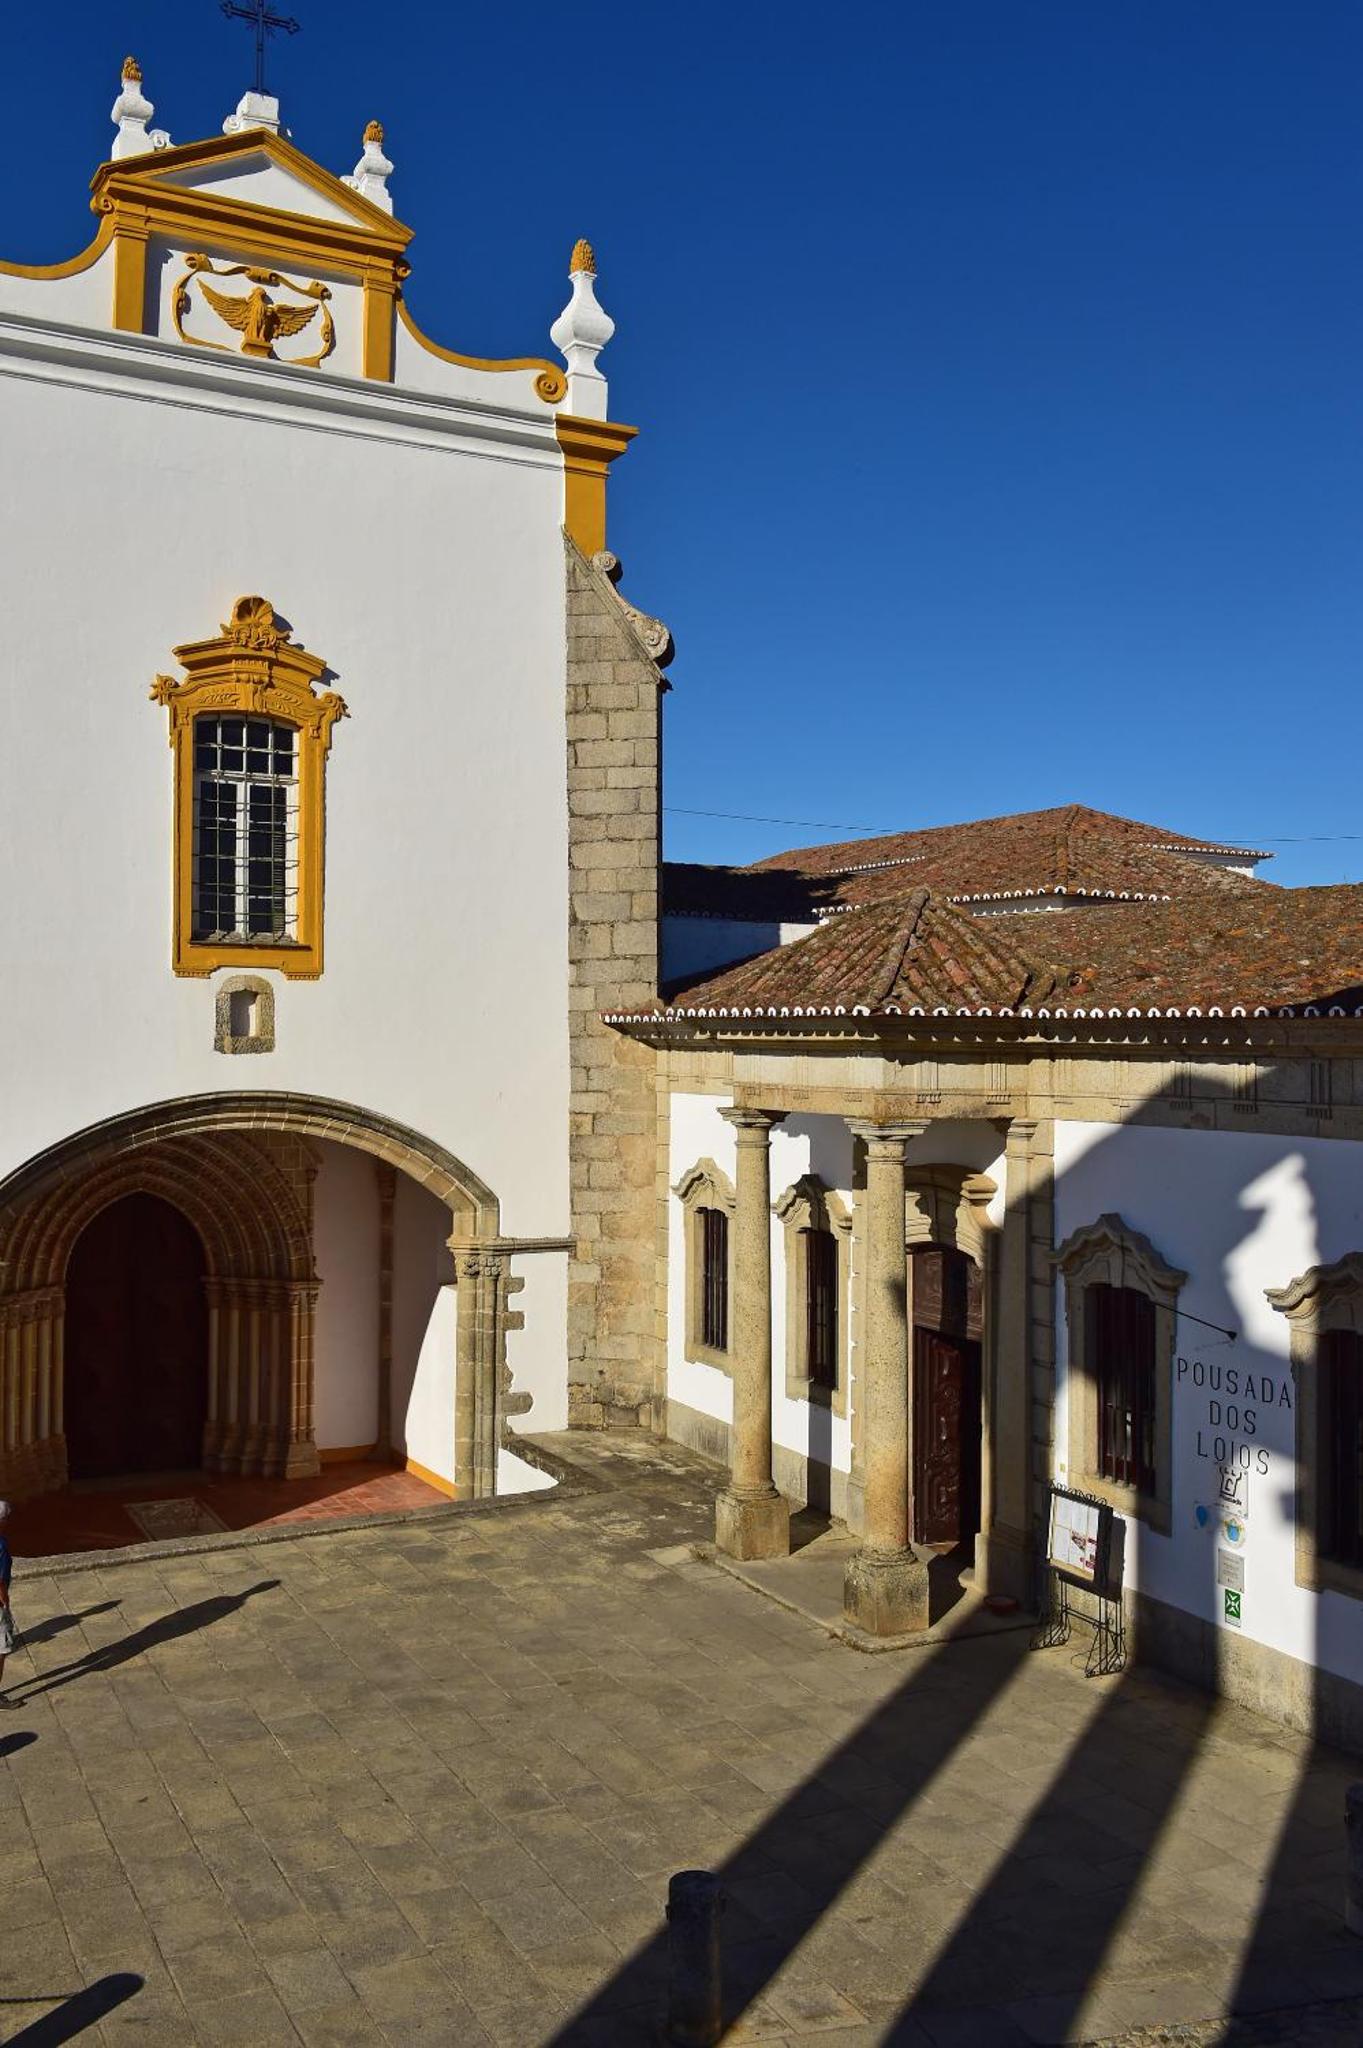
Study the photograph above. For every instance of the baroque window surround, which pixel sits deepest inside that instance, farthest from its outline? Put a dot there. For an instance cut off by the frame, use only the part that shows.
(252, 669)
(808, 1205)
(1110, 1253)
(703, 1186)
(1322, 1299)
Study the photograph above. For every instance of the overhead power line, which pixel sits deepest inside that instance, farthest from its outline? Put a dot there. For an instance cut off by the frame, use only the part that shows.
(839, 825)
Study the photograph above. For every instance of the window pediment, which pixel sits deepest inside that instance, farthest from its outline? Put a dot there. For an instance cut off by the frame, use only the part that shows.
(705, 1183)
(1109, 1251)
(1329, 1296)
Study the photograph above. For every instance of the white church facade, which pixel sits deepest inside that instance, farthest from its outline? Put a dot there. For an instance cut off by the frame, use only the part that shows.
(286, 818)
(369, 1088)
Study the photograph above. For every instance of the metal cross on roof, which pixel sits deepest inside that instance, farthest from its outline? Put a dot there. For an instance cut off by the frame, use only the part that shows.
(266, 23)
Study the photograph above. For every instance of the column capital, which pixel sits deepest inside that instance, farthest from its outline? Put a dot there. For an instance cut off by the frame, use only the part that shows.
(1019, 1133)
(752, 1123)
(887, 1139)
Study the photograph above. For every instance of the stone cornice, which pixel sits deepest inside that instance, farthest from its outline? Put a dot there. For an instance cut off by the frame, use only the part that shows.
(1203, 1037)
(135, 365)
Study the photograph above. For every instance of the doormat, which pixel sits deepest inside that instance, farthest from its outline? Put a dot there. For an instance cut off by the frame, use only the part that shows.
(161, 1520)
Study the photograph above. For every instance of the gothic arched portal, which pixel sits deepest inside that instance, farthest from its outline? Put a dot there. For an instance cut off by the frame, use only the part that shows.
(238, 1171)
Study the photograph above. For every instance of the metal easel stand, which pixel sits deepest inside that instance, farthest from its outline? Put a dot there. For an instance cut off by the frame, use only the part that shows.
(1107, 1651)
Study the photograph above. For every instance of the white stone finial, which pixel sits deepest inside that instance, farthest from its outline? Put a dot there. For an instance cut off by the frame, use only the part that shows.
(131, 112)
(254, 110)
(373, 171)
(580, 333)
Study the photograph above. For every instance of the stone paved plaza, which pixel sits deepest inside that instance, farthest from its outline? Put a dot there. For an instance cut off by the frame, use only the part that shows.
(427, 1782)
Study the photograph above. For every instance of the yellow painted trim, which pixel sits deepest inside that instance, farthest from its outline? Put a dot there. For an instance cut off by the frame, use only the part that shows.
(155, 172)
(130, 279)
(589, 448)
(376, 343)
(551, 385)
(445, 1486)
(138, 201)
(194, 218)
(72, 267)
(255, 669)
(346, 1454)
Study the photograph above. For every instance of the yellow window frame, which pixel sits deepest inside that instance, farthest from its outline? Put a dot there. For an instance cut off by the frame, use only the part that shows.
(252, 668)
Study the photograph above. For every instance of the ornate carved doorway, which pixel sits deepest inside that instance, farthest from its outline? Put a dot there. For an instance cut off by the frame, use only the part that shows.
(948, 1300)
(136, 1342)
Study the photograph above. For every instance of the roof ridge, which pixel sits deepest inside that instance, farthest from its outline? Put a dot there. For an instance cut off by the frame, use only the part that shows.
(892, 960)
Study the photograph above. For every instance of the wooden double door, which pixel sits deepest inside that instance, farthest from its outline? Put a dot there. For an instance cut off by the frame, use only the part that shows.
(948, 1326)
(136, 1348)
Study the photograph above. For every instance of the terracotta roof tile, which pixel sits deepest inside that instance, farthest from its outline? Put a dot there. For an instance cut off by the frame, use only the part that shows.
(1073, 852)
(1272, 948)
(1031, 843)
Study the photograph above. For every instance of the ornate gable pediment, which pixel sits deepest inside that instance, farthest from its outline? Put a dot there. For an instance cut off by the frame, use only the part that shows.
(242, 245)
(253, 172)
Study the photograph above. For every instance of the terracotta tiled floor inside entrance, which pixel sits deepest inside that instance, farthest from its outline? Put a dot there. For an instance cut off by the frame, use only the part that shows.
(95, 1516)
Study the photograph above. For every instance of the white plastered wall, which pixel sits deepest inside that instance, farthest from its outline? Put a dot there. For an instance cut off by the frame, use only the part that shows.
(85, 299)
(1237, 1213)
(345, 1235)
(424, 1320)
(419, 551)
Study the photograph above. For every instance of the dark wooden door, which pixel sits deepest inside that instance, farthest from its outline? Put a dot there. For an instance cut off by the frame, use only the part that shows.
(948, 1319)
(136, 1356)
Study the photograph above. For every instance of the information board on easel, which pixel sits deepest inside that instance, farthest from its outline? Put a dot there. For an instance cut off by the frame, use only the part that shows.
(1079, 1552)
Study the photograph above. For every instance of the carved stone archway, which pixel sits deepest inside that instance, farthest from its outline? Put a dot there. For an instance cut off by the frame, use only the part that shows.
(240, 1167)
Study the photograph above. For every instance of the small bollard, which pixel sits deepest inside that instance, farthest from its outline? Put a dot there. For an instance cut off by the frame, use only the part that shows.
(695, 2003)
(1353, 1837)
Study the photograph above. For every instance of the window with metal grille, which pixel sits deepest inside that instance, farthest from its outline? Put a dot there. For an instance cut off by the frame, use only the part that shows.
(714, 1278)
(821, 1306)
(245, 829)
(1341, 1439)
(1120, 1342)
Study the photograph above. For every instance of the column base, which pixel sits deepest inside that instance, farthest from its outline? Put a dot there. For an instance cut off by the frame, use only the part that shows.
(301, 1461)
(1003, 1563)
(749, 1525)
(886, 1594)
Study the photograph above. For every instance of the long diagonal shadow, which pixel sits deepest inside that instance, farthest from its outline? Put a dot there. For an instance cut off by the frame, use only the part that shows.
(1041, 1926)
(185, 1621)
(833, 1821)
(1044, 1921)
(86, 2009)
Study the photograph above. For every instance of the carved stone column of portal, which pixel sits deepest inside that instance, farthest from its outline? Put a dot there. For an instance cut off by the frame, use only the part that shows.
(885, 1590)
(751, 1518)
(482, 1283)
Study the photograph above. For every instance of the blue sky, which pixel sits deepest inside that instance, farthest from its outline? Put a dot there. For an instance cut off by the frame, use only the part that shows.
(999, 365)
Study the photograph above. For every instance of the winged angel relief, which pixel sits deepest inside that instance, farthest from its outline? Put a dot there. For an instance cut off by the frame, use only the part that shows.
(259, 318)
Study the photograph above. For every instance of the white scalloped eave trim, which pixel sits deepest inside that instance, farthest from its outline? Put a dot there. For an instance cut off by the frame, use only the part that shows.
(1033, 895)
(1170, 1013)
(1183, 846)
(874, 867)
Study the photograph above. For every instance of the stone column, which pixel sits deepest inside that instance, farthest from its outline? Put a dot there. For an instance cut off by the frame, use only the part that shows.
(482, 1284)
(301, 1458)
(751, 1518)
(885, 1590)
(1007, 1544)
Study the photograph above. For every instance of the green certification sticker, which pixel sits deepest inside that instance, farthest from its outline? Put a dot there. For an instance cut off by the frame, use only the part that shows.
(1232, 1607)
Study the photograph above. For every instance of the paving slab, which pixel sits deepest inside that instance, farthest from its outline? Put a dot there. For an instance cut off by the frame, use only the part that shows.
(427, 1781)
